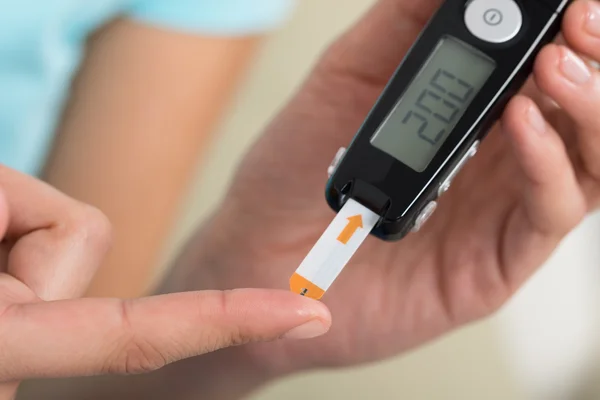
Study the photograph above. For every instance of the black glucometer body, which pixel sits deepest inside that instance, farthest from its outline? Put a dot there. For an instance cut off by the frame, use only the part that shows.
(450, 89)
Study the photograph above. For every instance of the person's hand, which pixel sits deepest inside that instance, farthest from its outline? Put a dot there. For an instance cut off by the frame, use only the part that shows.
(50, 249)
(535, 178)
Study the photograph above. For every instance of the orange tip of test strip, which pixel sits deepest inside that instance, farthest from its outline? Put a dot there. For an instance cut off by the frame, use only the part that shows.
(304, 287)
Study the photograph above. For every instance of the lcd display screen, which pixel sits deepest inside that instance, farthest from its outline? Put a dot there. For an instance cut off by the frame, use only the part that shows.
(434, 103)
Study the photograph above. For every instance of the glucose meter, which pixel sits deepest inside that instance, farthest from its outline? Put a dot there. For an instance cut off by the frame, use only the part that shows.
(451, 87)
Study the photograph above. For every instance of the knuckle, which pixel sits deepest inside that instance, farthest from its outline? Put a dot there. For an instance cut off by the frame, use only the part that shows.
(90, 227)
(512, 118)
(140, 358)
(237, 337)
(235, 334)
(217, 339)
(132, 354)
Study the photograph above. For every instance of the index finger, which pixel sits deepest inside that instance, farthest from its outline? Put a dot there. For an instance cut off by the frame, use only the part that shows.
(107, 336)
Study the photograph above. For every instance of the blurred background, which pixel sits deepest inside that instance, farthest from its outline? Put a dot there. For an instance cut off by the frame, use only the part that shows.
(541, 346)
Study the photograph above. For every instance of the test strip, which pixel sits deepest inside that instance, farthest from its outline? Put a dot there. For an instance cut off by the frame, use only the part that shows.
(333, 250)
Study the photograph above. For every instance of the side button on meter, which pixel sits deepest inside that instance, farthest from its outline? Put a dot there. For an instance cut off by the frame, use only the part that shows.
(424, 216)
(445, 186)
(336, 161)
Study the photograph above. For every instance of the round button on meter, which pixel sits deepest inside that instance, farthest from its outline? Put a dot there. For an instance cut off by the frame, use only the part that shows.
(495, 21)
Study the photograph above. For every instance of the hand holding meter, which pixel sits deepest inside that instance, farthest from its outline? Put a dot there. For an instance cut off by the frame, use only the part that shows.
(452, 86)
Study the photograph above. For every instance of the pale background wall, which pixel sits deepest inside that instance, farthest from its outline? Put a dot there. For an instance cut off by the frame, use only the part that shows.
(467, 365)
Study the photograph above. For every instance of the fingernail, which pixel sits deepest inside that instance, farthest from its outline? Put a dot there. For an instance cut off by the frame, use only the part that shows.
(592, 23)
(574, 68)
(536, 120)
(309, 330)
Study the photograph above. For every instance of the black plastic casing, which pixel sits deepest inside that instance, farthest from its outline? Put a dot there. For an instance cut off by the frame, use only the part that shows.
(392, 189)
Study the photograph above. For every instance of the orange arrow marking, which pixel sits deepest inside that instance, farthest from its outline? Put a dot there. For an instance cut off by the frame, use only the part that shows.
(354, 223)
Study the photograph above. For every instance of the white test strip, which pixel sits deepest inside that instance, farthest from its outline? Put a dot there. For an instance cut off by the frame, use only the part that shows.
(333, 250)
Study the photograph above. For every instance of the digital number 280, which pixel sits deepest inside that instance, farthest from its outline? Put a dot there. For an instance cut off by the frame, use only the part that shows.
(437, 92)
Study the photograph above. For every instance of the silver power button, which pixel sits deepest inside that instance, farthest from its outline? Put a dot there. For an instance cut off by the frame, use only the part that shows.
(495, 21)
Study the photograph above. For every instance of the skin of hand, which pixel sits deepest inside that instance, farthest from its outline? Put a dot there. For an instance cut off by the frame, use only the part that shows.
(535, 178)
(50, 250)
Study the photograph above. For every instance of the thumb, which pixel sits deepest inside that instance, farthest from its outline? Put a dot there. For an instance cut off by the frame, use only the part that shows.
(93, 336)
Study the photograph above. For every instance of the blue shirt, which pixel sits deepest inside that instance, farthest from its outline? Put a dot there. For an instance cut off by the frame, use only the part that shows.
(42, 42)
